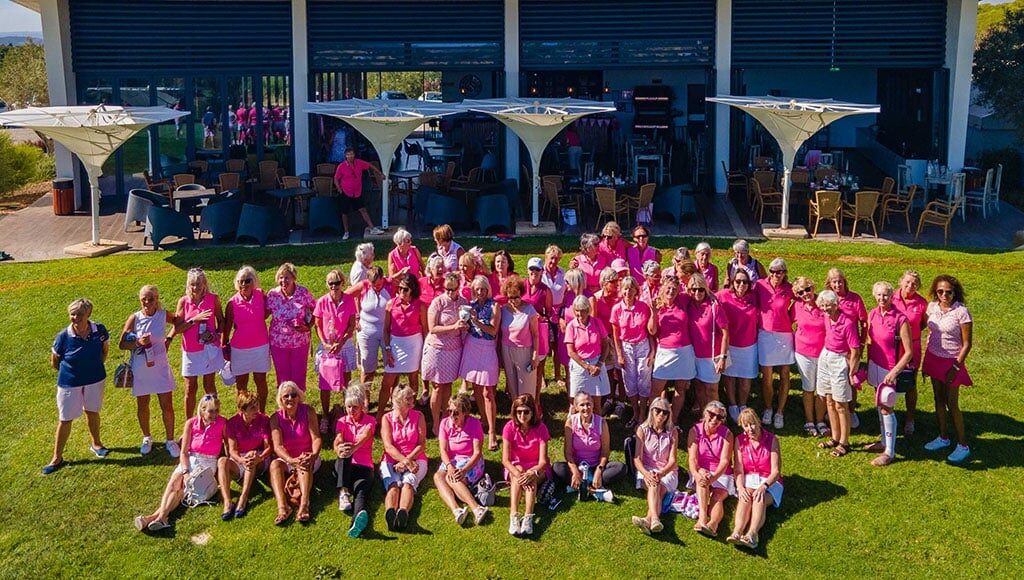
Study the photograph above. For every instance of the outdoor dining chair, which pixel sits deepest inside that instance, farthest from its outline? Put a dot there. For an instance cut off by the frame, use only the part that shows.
(735, 181)
(862, 209)
(554, 203)
(642, 201)
(326, 169)
(607, 205)
(826, 206)
(164, 222)
(980, 198)
(220, 219)
(156, 185)
(323, 186)
(939, 213)
(323, 214)
(493, 211)
(898, 204)
(183, 179)
(200, 168)
(229, 181)
(763, 199)
(139, 202)
(235, 166)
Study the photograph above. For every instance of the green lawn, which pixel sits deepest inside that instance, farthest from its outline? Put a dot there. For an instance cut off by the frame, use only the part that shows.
(840, 517)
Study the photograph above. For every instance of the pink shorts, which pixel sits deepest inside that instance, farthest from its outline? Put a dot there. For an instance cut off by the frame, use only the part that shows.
(937, 367)
(71, 401)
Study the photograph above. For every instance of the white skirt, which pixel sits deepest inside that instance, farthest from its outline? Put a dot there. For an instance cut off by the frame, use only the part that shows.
(250, 360)
(674, 364)
(580, 381)
(408, 352)
(742, 362)
(706, 371)
(876, 374)
(774, 348)
(754, 481)
(808, 372)
(726, 482)
(202, 362)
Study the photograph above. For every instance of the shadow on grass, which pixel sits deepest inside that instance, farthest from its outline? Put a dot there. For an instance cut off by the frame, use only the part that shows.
(801, 494)
(996, 441)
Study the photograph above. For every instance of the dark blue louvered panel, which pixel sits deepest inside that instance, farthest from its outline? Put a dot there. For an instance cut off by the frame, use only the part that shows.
(839, 33)
(615, 33)
(405, 34)
(181, 35)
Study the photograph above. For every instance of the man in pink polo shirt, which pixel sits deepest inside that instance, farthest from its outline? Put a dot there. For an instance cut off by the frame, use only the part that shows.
(349, 180)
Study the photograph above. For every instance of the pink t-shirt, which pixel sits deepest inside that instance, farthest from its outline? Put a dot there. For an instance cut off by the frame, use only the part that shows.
(351, 431)
(190, 339)
(636, 260)
(841, 334)
(743, 317)
(591, 269)
(430, 289)
(242, 115)
(586, 439)
(614, 250)
(809, 337)
(405, 435)
(515, 326)
(945, 339)
(524, 450)
(332, 318)
(674, 325)
(536, 296)
(884, 331)
(253, 436)
(631, 321)
(285, 313)
(460, 439)
(914, 309)
(773, 305)
(586, 339)
(707, 320)
(250, 320)
(349, 177)
(405, 318)
(295, 435)
(445, 311)
(207, 440)
(411, 260)
(711, 275)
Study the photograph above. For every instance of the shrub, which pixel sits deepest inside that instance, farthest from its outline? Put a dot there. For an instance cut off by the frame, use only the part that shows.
(22, 164)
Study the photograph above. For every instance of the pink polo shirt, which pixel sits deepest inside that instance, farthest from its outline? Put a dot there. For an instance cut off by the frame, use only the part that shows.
(524, 449)
(209, 439)
(460, 439)
(351, 431)
(430, 289)
(603, 307)
(349, 177)
(884, 331)
(591, 268)
(253, 436)
(674, 325)
(852, 305)
(332, 318)
(536, 296)
(707, 320)
(190, 339)
(295, 435)
(809, 337)
(405, 318)
(250, 320)
(405, 435)
(945, 339)
(515, 326)
(613, 251)
(586, 439)
(411, 260)
(711, 275)
(758, 460)
(773, 305)
(743, 317)
(636, 258)
(914, 309)
(631, 321)
(648, 293)
(841, 334)
(586, 339)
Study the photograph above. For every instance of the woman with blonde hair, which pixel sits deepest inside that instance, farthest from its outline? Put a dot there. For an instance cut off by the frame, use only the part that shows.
(657, 467)
(479, 366)
(404, 465)
(334, 318)
(634, 347)
(246, 340)
(612, 245)
(709, 450)
(405, 325)
(442, 348)
(201, 334)
(709, 332)
(296, 441)
(553, 277)
(674, 360)
(758, 472)
(808, 340)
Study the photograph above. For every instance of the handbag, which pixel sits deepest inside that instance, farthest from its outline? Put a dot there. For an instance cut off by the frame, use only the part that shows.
(485, 491)
(906, 380)
(292, 491)
(124, 378)
(200, 486)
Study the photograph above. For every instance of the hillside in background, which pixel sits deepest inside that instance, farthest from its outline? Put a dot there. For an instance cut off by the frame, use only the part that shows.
(18, 38)
(992, 14)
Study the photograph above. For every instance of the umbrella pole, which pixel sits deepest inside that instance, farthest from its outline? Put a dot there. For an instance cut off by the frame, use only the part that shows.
(785, 197)
(384, 202)
(535, 160)
(94, 190)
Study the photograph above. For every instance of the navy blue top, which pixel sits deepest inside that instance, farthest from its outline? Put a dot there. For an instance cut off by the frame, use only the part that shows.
(81, 359)
(483, 312)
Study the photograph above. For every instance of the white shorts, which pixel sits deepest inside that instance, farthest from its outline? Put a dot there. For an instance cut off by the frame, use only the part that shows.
(742, 362)
(261, 468)
(876, 374)
(674, 364)
(390, 477)
(808, 371)
(202, 362)
(669, 481)
(72, 401)
(198, 460)
(754, 481)
(774, 348)
(288, 469)
(726, 482)
(706, 371)
(834, 377)
(250, 360)
(580, 381)
(636, 374)
(371, 348)
(408, 352)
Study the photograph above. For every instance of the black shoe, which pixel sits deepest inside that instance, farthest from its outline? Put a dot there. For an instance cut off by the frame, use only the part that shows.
(401, 519)
(389, 517)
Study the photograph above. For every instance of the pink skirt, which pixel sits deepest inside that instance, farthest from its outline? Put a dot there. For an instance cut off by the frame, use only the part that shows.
(479, 362)
(440, 366)
(937, 367)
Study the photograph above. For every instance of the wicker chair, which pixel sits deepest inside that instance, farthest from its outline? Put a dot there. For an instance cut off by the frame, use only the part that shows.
(555, 204)
(326, 169)
(735, 181)
(939, 213)
(863, 209)
(323, 186)
(290, 181)
(633, 205)
(827, 205)
(606, 204)
(762, 199)
(898, 204)
(183, 179)
(235, 166)
(227, 181)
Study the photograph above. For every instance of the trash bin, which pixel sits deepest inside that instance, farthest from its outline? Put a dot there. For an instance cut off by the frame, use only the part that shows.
(63, 196)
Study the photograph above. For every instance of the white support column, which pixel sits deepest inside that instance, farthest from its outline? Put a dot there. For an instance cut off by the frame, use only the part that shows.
(961, 21)
(59, 75)
(300, 87)
(723, 86)
(511, 83)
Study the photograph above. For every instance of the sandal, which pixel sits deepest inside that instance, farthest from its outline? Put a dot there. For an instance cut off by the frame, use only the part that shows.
(810, 429)
(734, 538)
(303, 515)
(493, 445)
(840, 450)
(823, 430)
(751, 542)
(282, 515)
(828, 444)
(876, 447)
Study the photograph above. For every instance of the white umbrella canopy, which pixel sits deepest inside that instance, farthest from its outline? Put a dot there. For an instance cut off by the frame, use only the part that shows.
(93, 133)
(791, 122)
(536, 122)
(385, 123)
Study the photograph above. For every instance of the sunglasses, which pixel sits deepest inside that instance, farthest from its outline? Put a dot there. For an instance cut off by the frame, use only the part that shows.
(777, 272)
(209, 397)
(640, 236)
(524, 411)
(696, 290)
(289, 396)
(802, 291)
(335, 283)
(944, 292)
(716, 417)
(451, 289)
(404, 289)
(245, 281)
(513, 296)
(660, 412)
(741, 281)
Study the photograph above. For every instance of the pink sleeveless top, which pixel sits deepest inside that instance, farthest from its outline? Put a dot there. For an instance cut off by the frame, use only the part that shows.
(411, 260)
(207, 440)
(636, 258)
(250, 320)
(536, 296)
(405, 318)
(657, 448)
(758, 460)
(709, 451)
(295, 434)
(404, 434)
(190, 339)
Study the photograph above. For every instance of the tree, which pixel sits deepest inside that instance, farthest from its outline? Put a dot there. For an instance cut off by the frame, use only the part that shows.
(23, 76)
(999, 69)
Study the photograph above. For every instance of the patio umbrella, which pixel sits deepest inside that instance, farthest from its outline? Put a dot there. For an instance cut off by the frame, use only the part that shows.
(385, 124)
(92, 133)
(791, 122)
(536, 122)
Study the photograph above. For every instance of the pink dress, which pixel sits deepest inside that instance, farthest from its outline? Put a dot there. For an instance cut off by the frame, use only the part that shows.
(442, 352)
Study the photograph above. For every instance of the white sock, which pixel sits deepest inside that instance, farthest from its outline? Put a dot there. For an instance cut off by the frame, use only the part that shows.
(889, 433)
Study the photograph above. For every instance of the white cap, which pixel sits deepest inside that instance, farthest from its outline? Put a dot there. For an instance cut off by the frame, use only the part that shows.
(535, 263)
(619, 265)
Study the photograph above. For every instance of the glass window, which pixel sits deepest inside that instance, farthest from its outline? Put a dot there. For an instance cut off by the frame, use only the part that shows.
(135, 153)
(170, 93)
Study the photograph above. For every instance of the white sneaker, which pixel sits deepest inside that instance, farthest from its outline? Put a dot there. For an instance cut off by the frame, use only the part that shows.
(766, 417)
(172, 448)
(479, 514)
(513, 524)
(778, 422)
(526, 525)
(460, 515)
(855, 421)
(147, 445)
(734, 413)
(377, 231)
(344, 236)
(959, 454)
(936, 444)
(344, 500)
(604, 495)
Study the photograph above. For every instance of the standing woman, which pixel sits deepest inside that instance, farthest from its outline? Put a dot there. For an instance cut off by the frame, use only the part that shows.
(432, 284)
(709, 449)
(590, 261)
(296, 441)
(758, 478)
(640, 252)
(586, 339)
(291, 316)
(538, 295)
(950, 330)
(775, 338)
(335, 320)
(657, 467)
(612, 246)
(740, 304)
(245, 322)
(78, 354)
(404, 465)
(852, 305)
(442, 348)
(576, 285)
(520, 340)
(808, 340)
(405, 257)
(742, 260)
(201, 354)
(501, 268)
(405, 325)
(353, 443)
(889, 353)
(709, 333)
(370, 323)
(449, 250)
(913, 306)
(248, 453)
(145, 335)
(651, 285)
(460, 443)
(673, 358)
(471, 265)
(634, 347)
(682, 267)
(553, 277)
(601, 305)
(479, 365)
(836, 369)
(702, 255)
(361, 267)
(524, 454)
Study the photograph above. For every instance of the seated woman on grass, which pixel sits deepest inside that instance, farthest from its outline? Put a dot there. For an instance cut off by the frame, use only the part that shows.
(657, 468)
(586, 467)
(758, 463)
(249, 451)
(460, 442)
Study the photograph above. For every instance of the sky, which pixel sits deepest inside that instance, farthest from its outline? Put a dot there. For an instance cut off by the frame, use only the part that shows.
(15, 18)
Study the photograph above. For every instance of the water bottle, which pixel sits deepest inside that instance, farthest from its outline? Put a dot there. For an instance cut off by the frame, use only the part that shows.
(584, 481)
(202, 332)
